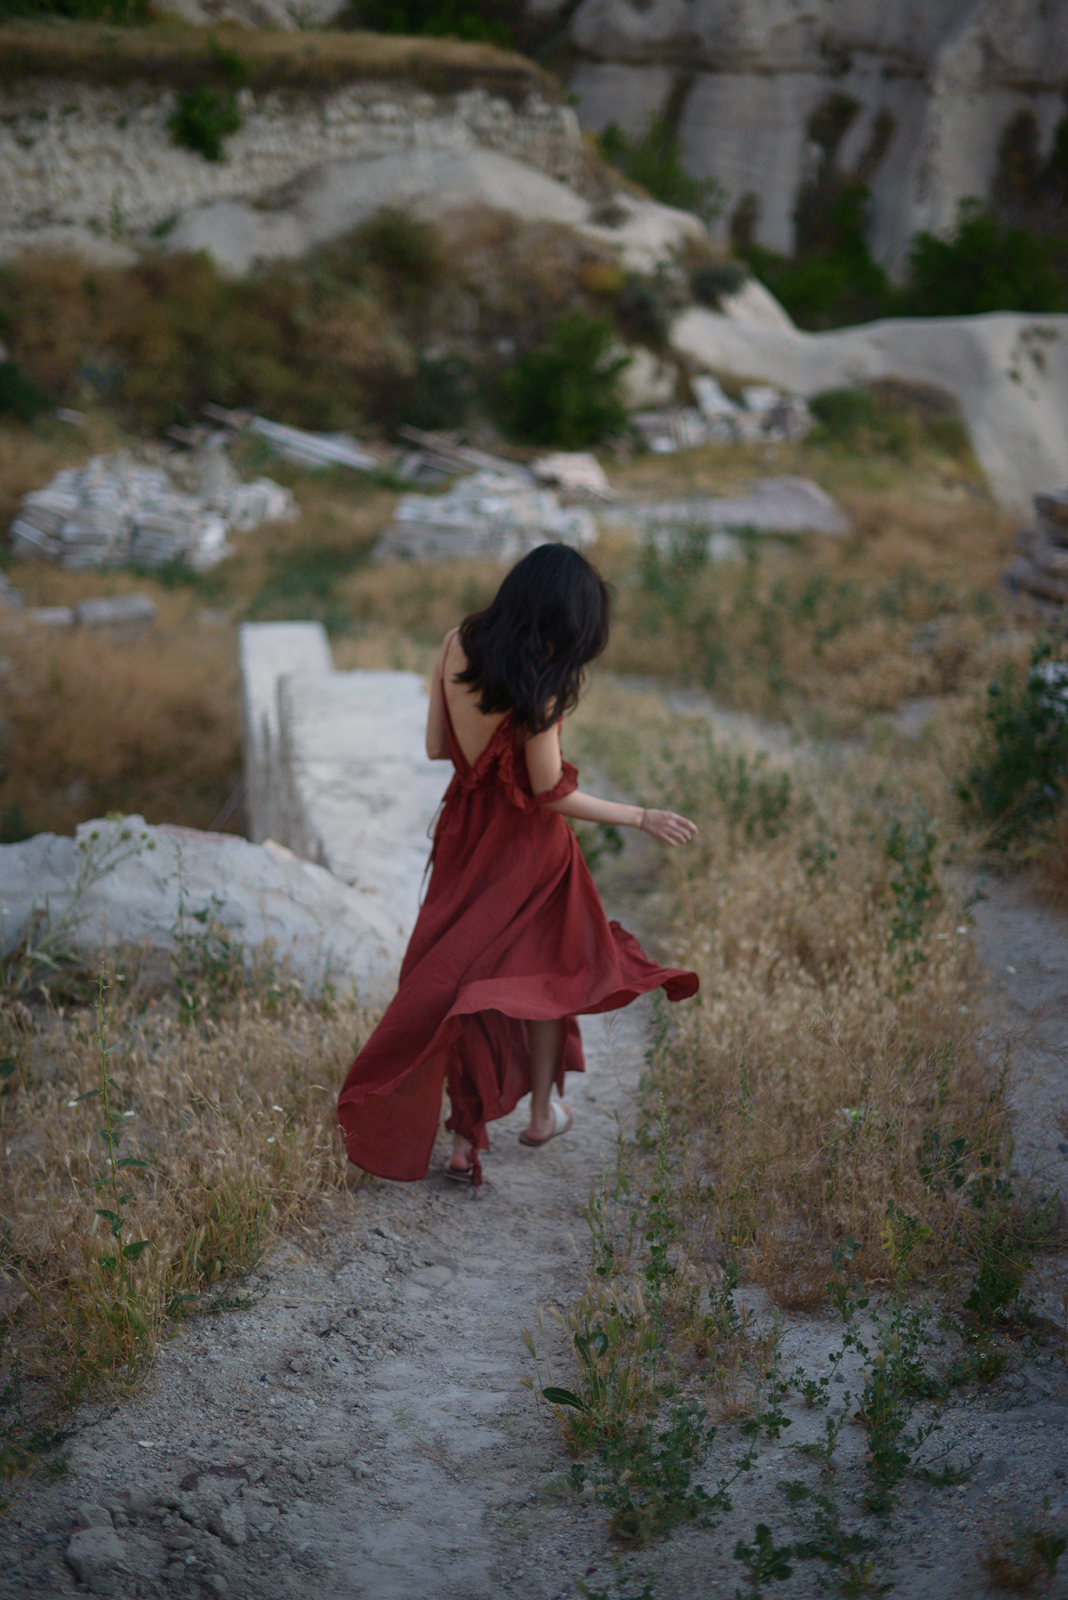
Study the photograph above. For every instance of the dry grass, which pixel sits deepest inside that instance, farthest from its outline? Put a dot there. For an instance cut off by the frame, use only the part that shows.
(836, 628)
(181, 57)
(96, 723)
(231, 1108)
(837, 1042)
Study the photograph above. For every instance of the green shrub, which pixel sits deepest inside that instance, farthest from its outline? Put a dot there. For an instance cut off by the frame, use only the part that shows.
(710, 283)
(567, 392)
(654, 160)
(126, 12)
(1019, 769)
(478, 21)
(19, 395)
(891, 417)
(442, 392)
(645, 305)
(203, 118)
(985, 266)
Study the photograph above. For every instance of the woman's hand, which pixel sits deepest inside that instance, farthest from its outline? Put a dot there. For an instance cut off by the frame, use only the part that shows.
(667, 827)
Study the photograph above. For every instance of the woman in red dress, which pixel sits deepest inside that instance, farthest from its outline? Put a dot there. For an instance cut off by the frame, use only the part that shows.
(512, 943)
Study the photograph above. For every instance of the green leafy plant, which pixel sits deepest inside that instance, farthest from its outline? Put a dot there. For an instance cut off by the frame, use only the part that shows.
(714, 281)
(598, 841)
(478, 21)
(763, 1560)
(20, 396)
(124, 12)
(49, 940)
(203, 118)
(1026, 1554)
(567, 392)
(985, 265)
(25, 1445)
(1015, 779)
(910, 847)
(125, 1310)
(654, 160)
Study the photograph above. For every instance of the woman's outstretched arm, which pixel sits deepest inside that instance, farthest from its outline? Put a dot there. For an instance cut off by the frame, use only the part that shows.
(545, 766)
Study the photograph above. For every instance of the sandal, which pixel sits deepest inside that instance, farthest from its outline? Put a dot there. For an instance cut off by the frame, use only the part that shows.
(562, 1120)
(459, 1174)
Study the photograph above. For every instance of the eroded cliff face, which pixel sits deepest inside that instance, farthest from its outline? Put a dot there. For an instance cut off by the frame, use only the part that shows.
(912, 97)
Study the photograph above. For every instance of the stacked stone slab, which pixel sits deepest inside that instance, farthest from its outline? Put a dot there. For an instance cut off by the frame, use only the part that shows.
(488, 516)
(116, 511)
(1041, 567)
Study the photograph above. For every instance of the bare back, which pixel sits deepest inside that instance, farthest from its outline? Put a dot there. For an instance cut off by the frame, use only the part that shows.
(472, 727)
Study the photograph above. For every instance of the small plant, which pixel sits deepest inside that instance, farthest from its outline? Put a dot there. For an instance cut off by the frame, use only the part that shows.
(20, 396)
(849, 1554)
(128, 1324)
(763, 1560)
(203, 118)
(910, 846)
(1025, 1556)
(48, 943)
(567, 392)
(654, 160)
(985, 266)
(25, 1446)
(715, 281)
(1015, 781)
(596, 841)
(645, 1477)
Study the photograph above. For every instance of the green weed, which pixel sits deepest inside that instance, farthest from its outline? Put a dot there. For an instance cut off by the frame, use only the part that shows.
(654, 159)
(203, 118)
(763, 1560)
(20, 396)
(567, 392)
(910, 846)
(1015, 779)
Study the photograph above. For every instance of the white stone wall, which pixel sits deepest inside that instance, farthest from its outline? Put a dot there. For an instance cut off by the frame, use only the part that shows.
(80, 163)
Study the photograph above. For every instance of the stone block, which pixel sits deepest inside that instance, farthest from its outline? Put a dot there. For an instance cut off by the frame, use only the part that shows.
(270, 651)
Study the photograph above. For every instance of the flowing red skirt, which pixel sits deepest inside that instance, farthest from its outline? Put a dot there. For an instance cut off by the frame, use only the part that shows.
(511, 931)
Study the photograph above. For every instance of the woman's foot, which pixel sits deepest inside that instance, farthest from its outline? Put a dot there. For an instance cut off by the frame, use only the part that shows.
(460, 1160)
(541, 1129)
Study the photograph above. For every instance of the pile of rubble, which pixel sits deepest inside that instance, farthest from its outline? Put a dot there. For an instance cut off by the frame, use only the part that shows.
(1041, 568)
(764, 415)
(118, 510)
(486, 516)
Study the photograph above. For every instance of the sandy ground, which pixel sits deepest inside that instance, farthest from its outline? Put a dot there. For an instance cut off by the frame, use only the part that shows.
(362, 1429)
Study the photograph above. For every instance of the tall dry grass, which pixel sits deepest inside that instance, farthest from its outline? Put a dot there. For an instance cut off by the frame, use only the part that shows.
(95, 723)
(222, 1086)
(821, 1084)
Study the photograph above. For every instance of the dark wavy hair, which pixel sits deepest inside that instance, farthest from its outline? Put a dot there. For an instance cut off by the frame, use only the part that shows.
(526, 652)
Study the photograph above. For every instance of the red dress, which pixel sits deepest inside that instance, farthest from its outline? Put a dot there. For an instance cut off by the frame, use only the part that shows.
(512, 930)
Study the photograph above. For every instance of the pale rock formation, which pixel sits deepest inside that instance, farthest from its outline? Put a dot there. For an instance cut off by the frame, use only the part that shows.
(935, 83)
(95, 168)
(337, 196)
(142, 881)
(1008, 372)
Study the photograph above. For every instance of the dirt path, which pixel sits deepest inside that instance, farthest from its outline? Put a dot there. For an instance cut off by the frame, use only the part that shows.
(362, 1430)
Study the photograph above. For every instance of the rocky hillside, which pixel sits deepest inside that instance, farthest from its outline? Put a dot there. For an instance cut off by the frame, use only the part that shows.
(779, 99)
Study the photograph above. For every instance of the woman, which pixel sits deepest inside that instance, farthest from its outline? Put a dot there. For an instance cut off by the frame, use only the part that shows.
(511, 943)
